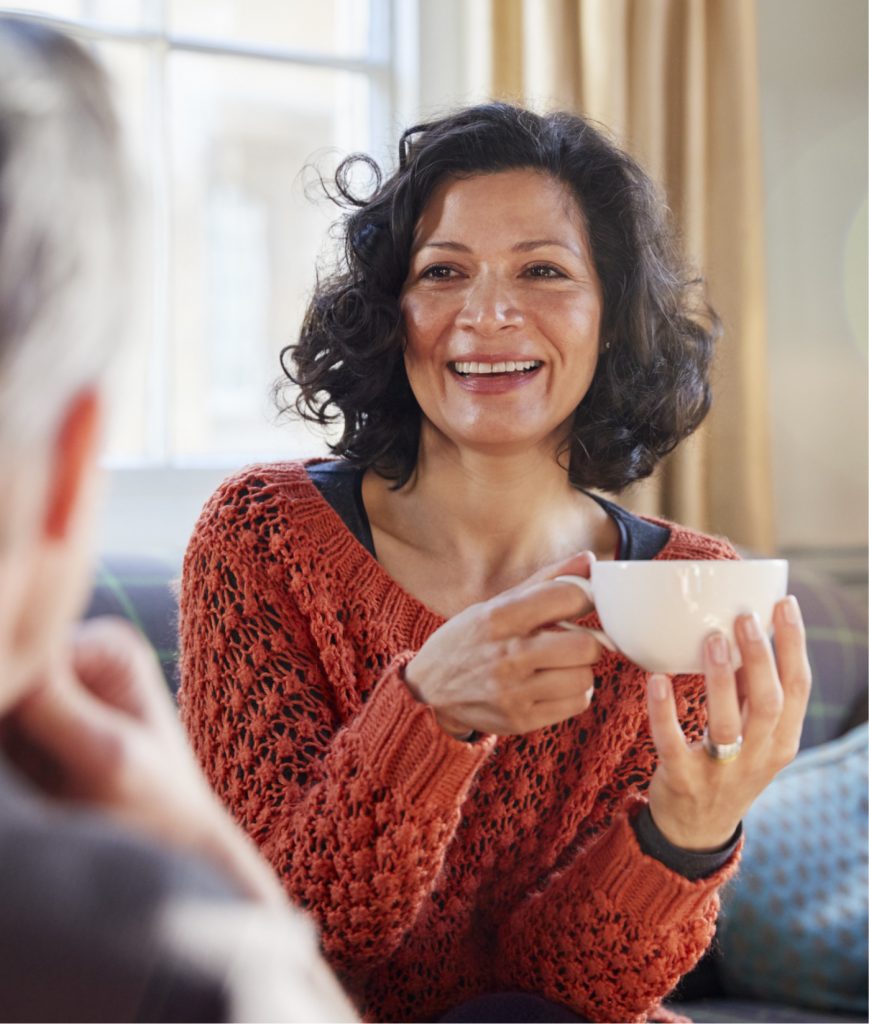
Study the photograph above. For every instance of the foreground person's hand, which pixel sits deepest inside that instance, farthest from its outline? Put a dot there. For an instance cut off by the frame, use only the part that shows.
(104, 732)
(696, 800)
(495, 668)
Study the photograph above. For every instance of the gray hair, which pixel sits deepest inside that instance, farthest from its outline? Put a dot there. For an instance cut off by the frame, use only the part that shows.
(64, 245)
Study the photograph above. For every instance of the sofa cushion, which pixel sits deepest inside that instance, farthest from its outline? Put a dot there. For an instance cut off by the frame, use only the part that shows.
(749, 1011)
(793, 926)
(142, 591)
(836, 635)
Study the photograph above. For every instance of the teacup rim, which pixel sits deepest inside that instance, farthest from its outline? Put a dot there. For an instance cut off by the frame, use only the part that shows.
(690, 561)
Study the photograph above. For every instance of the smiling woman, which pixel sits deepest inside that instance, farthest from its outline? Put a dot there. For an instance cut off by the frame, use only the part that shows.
(502, 301)
(649, 391)
(472, 802)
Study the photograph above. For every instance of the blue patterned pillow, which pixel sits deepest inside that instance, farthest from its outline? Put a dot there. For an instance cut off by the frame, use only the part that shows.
(793, 926)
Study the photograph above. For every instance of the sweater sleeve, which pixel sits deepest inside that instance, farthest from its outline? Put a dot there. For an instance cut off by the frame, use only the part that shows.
(354, 803)
(615, 930)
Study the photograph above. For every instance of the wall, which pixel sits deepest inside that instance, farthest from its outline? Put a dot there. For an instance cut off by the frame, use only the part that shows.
(813, 78)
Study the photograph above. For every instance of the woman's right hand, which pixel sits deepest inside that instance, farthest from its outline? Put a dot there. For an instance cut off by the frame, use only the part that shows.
(496, 668)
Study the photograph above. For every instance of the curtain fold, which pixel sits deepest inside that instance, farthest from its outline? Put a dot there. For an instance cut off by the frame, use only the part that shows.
(676, 81)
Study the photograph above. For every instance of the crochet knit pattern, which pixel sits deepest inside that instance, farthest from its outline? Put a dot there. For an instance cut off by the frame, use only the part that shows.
(436, 870)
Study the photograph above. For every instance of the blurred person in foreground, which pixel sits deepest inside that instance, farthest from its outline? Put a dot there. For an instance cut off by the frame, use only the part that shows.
(127, 892)
(490, 819)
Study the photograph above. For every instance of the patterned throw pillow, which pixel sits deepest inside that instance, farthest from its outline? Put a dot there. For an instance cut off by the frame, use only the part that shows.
(794, 922)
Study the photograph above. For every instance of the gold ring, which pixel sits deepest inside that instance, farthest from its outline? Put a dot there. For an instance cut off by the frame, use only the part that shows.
(721, 752)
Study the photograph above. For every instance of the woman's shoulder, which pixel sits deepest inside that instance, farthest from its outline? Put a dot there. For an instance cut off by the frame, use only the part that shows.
(688, 543)
(647, 536)
(257, 501)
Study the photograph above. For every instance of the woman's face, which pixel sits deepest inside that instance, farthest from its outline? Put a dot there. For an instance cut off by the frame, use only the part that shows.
(502, 309)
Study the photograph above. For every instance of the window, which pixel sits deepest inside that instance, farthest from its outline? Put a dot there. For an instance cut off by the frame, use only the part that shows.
(230, 108)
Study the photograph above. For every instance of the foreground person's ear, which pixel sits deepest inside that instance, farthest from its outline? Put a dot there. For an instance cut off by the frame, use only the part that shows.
(74, 453)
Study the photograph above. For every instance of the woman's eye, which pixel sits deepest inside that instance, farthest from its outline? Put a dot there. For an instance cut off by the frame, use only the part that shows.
(437, 272)
(543, 270)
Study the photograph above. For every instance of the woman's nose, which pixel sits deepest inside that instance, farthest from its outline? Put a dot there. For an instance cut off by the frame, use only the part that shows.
(489, 305)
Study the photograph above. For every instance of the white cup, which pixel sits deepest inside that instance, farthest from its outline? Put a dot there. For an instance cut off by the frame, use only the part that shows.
(658, 613)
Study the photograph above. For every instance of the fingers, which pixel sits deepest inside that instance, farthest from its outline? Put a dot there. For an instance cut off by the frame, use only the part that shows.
(83, 721)
(558, 684)
(759, 682)
(548, 712)
(794, 672)
(486, 657)
(521, 671)
(113, 662)
(774, 689)
(567, 694)
(664, 721)
(79, 726)
(71, 731)
(695, 798)
(550, 649)
(722, 699)
(524, 609)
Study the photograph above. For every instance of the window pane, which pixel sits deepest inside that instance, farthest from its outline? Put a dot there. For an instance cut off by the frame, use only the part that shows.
(136, 392)
(246, 238)
(324, 26)
(58, 8)
(125, 13)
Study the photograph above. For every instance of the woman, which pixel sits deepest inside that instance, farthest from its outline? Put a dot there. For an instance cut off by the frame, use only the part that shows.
(468, 801)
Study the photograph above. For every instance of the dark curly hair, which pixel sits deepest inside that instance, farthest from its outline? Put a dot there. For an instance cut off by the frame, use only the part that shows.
(651, 387)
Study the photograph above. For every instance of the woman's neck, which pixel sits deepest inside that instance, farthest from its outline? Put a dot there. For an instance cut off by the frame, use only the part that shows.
(486, 521)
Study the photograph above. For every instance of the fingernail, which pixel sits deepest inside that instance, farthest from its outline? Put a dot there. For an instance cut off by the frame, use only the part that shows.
(791, 610)
(719, 649)
(589, 694)
(751, 624)
(659, 686)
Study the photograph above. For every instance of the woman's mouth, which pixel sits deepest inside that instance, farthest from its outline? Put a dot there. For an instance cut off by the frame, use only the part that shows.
(473, 369)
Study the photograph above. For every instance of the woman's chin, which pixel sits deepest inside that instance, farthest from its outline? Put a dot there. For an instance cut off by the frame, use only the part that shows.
(503, 441)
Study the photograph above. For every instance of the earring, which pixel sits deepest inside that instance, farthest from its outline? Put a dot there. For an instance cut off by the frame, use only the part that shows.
(606, 347)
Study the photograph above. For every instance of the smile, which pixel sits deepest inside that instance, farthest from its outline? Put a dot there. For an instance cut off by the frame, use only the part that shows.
(473, 368)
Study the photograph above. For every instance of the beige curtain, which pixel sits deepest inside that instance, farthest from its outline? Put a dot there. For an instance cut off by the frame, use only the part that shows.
(676, 80)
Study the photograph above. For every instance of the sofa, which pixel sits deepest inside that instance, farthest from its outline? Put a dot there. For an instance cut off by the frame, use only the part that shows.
(791, 944)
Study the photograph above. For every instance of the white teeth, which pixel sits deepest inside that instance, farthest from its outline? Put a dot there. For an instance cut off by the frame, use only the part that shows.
(507, 367)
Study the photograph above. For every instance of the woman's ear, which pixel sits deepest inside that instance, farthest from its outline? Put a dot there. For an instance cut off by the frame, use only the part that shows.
(75, 450)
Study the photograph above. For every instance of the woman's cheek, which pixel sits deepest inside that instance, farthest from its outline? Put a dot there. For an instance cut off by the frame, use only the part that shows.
(425, 317)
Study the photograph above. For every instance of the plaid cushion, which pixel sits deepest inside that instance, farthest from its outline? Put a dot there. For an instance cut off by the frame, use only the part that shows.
(748, 1011)
(837, 642)
(141, 590)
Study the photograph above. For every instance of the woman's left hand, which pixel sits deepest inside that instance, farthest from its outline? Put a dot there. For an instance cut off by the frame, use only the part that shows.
(696, 800)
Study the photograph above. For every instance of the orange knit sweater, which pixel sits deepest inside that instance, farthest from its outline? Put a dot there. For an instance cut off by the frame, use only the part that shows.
(436, 870)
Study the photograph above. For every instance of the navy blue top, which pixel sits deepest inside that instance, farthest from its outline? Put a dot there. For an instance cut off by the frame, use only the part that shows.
(341, 485)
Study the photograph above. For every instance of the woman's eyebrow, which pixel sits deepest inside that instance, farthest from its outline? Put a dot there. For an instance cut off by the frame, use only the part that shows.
(533, 243)
(540, 243)
(455, 246)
